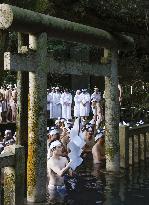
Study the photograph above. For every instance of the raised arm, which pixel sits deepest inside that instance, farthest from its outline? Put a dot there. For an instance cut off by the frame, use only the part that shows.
(57, 170)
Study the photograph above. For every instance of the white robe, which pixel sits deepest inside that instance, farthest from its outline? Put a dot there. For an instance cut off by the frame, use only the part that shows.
(57, 110)
(48, 101)
(50, 104)
(97, 98)
(66, 101)
(0, 107)
(85, 104)
(77, 106)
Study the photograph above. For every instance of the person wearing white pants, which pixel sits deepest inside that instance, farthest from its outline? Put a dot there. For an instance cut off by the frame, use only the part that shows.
(77, 104)
(66, 101)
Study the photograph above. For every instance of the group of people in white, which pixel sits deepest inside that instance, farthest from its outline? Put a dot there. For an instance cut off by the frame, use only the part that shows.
(60, 104)
(8, 103)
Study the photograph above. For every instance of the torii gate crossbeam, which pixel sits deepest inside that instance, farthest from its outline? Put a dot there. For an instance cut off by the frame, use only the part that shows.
(22, 20)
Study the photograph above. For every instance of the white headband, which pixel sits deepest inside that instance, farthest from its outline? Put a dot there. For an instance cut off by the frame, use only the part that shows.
(55, 144)
(54, 132)
(7, 131)
(92, 122)
(57, 121)
(98, 136)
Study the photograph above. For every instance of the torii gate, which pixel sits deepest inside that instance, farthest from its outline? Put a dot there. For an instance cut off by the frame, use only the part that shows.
(38, 64)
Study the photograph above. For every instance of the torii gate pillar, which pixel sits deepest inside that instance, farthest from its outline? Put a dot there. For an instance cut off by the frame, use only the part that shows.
(37, 124)
(112, 117)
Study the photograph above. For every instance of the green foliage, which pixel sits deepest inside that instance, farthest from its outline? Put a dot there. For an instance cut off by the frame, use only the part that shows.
(7, 77)
(138, 102)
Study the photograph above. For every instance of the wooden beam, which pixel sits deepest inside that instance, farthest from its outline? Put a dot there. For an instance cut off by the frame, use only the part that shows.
(22, 20)
(19, 62)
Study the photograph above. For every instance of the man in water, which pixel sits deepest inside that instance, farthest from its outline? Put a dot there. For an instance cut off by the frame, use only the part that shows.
(89, 143)
(98, 150)
(57, 166)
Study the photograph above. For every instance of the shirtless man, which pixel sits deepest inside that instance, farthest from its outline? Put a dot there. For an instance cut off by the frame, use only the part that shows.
(52, 136)
(98, 150)
(89, 143)
(57, 166)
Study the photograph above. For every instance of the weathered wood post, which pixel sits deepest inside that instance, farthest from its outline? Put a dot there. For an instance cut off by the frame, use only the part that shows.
(112, 117)
(37, 123)
(124, 146)
(14, 177)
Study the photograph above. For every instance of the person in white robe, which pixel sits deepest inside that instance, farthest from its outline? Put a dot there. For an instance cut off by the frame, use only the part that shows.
(0, 110)
(77, 104)
(66, 101)
(120, 93)
(13, 106)
(84, 104)
(57, 109)
(95, 101)
(8, 93)
(14, 94)
(50, 103)
(4, 110)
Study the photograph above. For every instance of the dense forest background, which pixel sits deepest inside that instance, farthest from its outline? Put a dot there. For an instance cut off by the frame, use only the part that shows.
(126, 16)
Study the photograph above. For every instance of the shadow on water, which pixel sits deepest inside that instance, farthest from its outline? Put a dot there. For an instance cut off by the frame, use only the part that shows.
(94, 186)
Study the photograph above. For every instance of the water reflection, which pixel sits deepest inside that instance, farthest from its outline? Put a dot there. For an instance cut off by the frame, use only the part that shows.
(92, 185)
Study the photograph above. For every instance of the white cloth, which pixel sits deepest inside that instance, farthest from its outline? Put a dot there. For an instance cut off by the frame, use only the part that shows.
(57, 109)
(98, 136)
(0, 107)
(75, 146)
(85, 104)
(54, 132)
(66, 101)
(77, 106)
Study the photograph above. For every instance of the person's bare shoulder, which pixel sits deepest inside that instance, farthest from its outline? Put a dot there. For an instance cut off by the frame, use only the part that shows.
(50, 162)
(95, 147)
(64, 159)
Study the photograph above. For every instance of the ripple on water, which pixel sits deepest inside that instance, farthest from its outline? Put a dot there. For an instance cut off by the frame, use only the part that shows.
(96, 187)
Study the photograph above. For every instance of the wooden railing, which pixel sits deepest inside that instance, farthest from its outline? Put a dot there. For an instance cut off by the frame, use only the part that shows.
(134, 145)
(12, 162)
